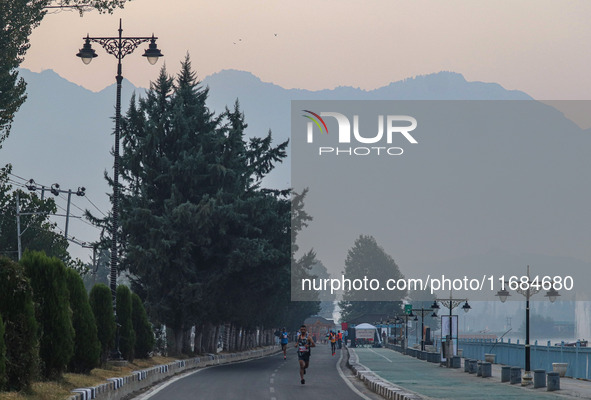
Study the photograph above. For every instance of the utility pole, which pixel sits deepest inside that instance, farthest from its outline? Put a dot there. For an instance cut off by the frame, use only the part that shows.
(18, 225)
(55, 190)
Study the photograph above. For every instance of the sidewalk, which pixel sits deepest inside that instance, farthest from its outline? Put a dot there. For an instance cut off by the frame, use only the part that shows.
(431, 381)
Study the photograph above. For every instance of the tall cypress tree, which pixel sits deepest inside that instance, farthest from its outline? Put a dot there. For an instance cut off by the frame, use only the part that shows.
(20, 336)
(101, 304)
(144, 343)
(51, 295)
(126, 332)
(87, 347)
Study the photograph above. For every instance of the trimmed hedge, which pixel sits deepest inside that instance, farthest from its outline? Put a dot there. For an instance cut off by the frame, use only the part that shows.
(101, 304)
(52, 298)
(87, 348)
(126, 332)
(20, 335)
(144, 334)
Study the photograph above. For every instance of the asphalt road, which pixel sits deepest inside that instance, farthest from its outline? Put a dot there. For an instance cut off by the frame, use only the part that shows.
(268, 378)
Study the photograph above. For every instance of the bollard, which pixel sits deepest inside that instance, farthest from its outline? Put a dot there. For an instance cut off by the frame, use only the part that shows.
(486, 369)
(505, 373)
(515, 375)
(466, 365)
(553, 381)
(539, 378)
(456, 362)
(473, 366)
(479, 368)
(436, 358)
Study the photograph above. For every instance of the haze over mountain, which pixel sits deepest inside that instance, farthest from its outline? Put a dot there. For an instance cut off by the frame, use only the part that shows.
(63, 134)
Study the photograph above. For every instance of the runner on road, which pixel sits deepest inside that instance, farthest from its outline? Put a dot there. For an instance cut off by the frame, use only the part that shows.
(284, 340)
(333, 338)
(304, 344)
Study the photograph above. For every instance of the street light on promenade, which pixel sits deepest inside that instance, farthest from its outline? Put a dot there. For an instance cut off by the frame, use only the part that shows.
(450, 304)
(119, 46)
(531, 289)
(422, 311)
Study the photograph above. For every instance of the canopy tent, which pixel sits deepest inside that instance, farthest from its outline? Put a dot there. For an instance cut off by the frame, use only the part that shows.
(367, 331)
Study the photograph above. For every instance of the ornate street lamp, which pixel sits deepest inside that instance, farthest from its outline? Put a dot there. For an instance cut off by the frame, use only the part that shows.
(119, 46)
(531, 290)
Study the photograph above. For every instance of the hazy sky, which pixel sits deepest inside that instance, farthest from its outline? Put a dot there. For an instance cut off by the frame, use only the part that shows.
(538, 46)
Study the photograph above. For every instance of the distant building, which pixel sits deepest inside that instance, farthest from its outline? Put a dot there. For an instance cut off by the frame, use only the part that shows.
(318, 326)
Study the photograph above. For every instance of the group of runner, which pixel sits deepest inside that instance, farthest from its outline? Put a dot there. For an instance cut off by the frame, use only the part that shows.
(304, 343)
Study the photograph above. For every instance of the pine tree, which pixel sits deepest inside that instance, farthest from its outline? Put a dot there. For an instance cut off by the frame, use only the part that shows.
(50, 292)
(87, 347)
(368, 259)
(18, 312)
(145, 340)
(101, 304)
(126, 332)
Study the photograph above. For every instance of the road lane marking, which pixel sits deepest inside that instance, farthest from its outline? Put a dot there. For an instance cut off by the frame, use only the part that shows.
(272, 389)
(159, 387)
(273, 374)
(380, 355)
(271, 381)
(351, 386)
(155, 390)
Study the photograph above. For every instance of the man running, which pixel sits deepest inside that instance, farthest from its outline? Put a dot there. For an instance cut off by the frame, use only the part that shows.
(304, 343)
(284, 340)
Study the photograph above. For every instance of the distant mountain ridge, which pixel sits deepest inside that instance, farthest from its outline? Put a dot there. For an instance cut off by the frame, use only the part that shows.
(63, 132)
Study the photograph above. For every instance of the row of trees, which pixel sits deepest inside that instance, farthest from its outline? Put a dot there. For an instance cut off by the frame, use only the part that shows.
(48, 325)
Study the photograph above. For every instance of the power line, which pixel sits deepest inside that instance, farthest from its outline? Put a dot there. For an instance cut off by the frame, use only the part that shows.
(19, 177)
(99, 210)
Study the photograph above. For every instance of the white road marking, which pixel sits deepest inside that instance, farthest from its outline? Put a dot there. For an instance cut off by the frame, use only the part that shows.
(152, 392)
(380, 355)
(351, 386)
(272, 389)
(271, 381)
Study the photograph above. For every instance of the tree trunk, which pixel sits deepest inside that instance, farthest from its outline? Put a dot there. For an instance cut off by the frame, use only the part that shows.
(177, 347)
(199, 339)
(187, 341)
(216, 338)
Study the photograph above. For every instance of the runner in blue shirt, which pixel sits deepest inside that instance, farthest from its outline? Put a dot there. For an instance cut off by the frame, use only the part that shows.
(283, 337)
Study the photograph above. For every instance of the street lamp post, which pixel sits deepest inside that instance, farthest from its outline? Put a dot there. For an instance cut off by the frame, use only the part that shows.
(119, 46)
(422, 311)
(451, 303)
(531, 289)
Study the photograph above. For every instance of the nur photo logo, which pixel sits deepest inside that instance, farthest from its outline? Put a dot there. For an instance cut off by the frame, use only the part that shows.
(380, 143)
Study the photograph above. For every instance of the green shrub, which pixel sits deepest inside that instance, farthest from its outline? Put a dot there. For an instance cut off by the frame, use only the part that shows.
(20, 335)
(87, 348)
(101, 304)
(126, 333)
(52, 298)
(144, 335)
